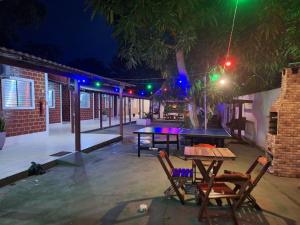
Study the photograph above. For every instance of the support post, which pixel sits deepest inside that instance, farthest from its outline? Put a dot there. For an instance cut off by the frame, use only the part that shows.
(140, 109)
(129, 109)
(240, 119)
(77, 115)
(100, 110)
(125, 109)
(205, 103)
(72, 110)
(109, 109)
(121, 111)
(158, 110)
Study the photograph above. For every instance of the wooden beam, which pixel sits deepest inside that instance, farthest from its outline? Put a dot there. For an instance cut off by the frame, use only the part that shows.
(109, 109)
(72, 111)
(101, 110)
(121, 111)
(125, 109)
(140, 109)
(77, 115)
(129, 109)
(158, 110)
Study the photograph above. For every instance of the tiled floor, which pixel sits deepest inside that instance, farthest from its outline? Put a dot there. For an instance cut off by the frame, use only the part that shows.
(17, 155)
(88, 125)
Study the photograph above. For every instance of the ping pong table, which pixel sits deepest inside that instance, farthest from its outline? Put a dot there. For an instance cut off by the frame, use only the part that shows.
(216, 136)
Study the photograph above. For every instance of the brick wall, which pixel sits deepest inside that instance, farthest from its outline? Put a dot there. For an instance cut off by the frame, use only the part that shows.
(25, 121)
(66, 104)
(54, 113)
(285, 145)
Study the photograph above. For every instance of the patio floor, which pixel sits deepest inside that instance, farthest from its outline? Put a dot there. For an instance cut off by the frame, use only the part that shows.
(17, 155)
(88, 125)
(107, 186)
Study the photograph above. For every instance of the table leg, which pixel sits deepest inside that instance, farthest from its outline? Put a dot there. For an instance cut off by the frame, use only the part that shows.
(139, 145)
(153, 141)
(177, 142)
(202, 170)
(217, 167)
(211, 166)
(168, 144)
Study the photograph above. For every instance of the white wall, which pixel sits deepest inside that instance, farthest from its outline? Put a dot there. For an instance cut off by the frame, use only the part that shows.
(146, 106)
(258, 115)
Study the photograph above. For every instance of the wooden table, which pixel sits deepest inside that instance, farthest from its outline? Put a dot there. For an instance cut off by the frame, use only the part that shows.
(216, 155)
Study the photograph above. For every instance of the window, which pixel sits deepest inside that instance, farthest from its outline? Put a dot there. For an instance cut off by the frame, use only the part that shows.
(17, 93)
(51, 98)
(85, 100)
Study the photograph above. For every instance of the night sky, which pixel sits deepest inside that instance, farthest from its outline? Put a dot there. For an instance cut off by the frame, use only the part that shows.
(69, 27)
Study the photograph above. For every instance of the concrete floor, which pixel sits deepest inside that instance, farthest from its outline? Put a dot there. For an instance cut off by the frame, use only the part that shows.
(108, 185)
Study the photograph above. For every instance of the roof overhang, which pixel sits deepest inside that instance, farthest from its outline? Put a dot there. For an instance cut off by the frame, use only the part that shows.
(24, 60)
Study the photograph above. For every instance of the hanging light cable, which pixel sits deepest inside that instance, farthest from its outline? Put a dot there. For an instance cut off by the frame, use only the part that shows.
(232, 29)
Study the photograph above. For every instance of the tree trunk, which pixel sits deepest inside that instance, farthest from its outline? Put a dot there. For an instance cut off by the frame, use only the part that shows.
(192, 108)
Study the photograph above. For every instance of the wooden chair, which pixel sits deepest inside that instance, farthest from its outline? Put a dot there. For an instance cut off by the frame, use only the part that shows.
(218, 191)
(178, 177)
(208, 164)
(262, 162)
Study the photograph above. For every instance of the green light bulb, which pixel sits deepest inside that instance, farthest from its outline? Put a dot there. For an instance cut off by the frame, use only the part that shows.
(149, 86)
(214, 77)
(98, 84)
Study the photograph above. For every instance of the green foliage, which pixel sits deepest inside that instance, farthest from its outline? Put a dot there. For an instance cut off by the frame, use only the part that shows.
(152, 31)
(2, 124)
(266, 37)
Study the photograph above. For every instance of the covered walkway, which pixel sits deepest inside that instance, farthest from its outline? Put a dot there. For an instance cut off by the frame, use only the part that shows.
(19, 152)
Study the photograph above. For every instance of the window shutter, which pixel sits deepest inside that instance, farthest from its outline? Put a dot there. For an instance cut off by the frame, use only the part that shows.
(17, 93)
(9, 93)
(84, 100)
(24, 93)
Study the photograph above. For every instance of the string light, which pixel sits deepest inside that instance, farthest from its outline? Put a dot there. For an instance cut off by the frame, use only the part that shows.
(149, 86)
(98, 84)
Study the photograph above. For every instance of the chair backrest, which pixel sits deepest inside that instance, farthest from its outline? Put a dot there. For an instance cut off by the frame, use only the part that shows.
(169, 168)
(165, 163)
(264, 164)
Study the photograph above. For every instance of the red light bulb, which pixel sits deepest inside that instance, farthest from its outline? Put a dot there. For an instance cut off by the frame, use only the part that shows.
(227, 63)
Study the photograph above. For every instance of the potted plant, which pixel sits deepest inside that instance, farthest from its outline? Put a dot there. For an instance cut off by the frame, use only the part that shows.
(146, 120)
(2, 132)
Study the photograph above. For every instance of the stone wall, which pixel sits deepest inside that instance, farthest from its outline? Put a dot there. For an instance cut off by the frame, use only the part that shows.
(285, 145)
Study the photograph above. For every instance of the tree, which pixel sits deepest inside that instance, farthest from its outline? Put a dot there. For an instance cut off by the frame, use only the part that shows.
(15, 14)
(189, 38)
